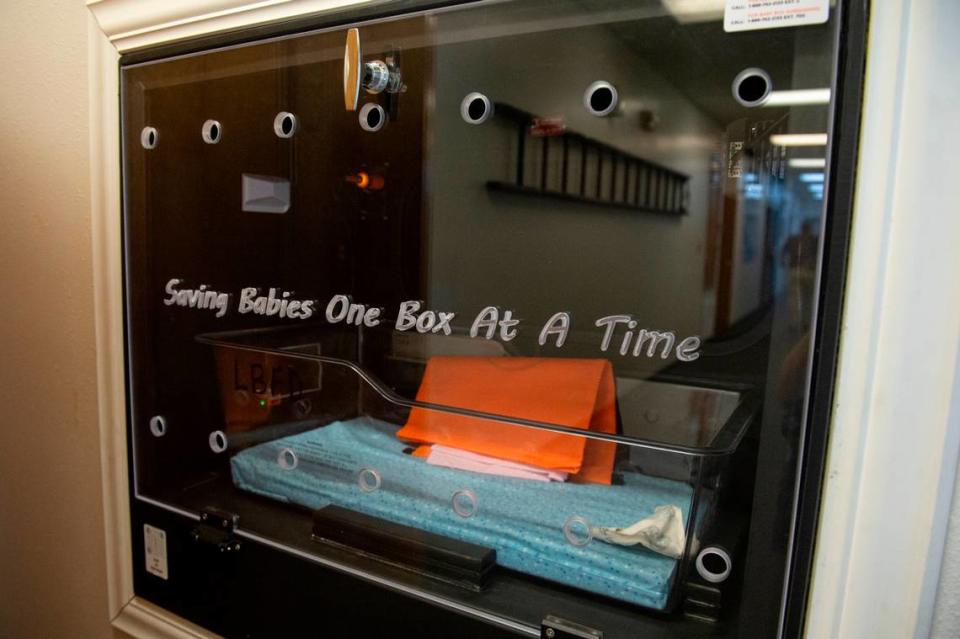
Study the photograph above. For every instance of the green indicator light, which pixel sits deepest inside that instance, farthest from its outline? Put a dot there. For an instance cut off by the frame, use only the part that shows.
(263, 403)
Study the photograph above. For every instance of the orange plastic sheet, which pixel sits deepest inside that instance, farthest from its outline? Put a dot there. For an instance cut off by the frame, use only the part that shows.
(577, 393)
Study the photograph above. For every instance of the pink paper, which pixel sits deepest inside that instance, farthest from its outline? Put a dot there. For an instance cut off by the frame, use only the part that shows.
(465, 460)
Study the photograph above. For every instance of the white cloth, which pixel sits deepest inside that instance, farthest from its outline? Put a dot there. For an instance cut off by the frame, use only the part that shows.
(661, 532)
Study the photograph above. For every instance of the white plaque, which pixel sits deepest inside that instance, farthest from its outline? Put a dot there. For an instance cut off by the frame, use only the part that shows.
(750, 15)
(155, 549)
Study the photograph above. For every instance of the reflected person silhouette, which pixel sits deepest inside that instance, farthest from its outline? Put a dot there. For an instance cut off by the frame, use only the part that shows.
(799, 257)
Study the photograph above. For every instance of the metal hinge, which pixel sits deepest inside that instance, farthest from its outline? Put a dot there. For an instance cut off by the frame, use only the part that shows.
(216, 530)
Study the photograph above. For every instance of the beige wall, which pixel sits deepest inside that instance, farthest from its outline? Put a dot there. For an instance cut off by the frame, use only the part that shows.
(52, 566)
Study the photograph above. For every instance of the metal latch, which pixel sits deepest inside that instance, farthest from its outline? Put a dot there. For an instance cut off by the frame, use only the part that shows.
(556, 628)
(374, 77)
(216, 530)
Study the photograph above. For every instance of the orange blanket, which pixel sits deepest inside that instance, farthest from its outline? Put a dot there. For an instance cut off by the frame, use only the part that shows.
(578, 393)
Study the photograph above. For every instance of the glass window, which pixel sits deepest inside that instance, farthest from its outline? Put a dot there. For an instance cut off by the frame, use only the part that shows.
(507, 307)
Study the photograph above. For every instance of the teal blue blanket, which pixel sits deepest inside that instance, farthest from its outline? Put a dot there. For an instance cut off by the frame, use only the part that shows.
(522, 519)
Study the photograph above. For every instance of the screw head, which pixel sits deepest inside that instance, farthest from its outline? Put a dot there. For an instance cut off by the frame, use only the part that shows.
(550, 633)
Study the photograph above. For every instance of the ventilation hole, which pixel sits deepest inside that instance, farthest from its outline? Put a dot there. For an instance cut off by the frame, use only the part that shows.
(577, 531)
(217, 441)
(714, 564)
(158, 426)
(210, 132)
(477, 109)
(601, 98)
(751, 87)
(285, 124)
(368, 479)
(302, 407)
(287, 459)
(372, 117)
(149, 137)
(464, 503)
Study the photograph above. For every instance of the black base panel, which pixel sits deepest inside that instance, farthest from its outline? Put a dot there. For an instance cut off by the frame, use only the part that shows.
(262, 592)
